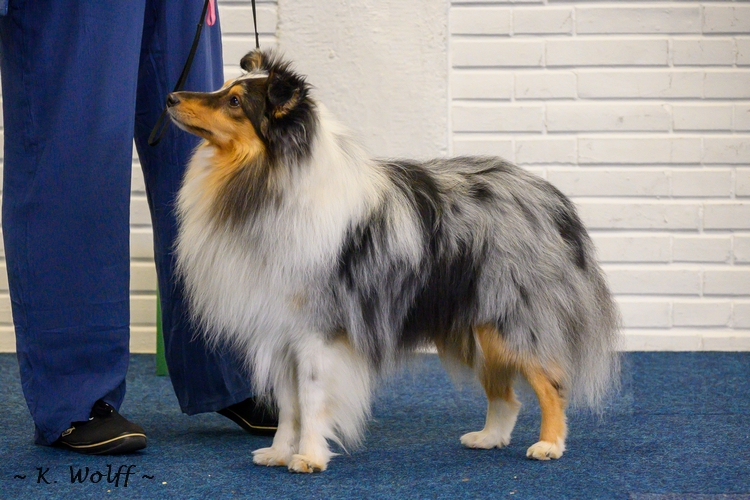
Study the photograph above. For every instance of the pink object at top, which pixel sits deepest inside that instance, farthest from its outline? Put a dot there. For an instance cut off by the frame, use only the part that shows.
(211, 14)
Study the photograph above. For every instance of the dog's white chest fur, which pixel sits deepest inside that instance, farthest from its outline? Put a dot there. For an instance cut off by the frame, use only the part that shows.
(259, 277)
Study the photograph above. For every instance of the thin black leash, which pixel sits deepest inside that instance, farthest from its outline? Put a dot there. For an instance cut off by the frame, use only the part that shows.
(255, 25)
(161, 124)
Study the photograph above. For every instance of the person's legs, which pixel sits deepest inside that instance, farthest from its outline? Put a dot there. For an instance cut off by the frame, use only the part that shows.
(69, 86)
(203, 379)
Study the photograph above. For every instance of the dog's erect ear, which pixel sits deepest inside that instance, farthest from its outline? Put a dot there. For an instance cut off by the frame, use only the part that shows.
(253, 61)
(285, 88)
(284, 92)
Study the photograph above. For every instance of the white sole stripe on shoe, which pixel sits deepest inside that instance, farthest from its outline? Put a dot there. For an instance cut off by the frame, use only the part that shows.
(84, 446)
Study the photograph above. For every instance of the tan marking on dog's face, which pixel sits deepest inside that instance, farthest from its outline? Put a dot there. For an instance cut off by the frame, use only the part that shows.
(219, 118)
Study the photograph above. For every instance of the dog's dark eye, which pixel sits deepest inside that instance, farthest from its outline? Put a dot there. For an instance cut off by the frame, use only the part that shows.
(234, 101)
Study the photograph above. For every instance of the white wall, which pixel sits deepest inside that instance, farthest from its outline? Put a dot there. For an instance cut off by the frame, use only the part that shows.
(638, 110)
(380, 66)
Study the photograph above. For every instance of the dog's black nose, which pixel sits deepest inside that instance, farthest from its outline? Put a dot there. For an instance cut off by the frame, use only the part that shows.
(172, 100)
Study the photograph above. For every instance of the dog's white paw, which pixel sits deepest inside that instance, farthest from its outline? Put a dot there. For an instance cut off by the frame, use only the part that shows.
(484, 439)
(544, 450)
(272, 457)
(307, 464)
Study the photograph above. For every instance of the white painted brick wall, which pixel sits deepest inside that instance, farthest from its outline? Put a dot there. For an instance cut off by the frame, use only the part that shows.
(498, 53)
(480, 21)
(741, 117)
(734, 282)
(482, 85)
(704, 51)
(491, 117)
(741, 314)
(708, 117)
(727, 18)
(641, 83)
(702, 313)
(741, 249)
(742, 176)
(719, 84)
(703, 248)
(547, 150)
(578, 117)
(646, 125)
(610, 19)
(610, 182)
(702, 183)
(743, 51)
(544, 20)
(633, 247)
(727, 215)
(546, 85)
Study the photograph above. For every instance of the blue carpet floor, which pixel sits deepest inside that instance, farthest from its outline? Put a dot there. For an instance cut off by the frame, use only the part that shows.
(679, 429)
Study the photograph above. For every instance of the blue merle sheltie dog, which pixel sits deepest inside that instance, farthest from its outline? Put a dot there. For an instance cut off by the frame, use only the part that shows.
(325, 267)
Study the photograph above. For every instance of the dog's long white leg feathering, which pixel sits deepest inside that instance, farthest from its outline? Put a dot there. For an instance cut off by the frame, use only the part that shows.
(287, 435)
(313, 453)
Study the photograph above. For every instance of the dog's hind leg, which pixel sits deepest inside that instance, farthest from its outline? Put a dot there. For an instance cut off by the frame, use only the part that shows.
(502, 410)
(496, 376)
(546, 382)
(554, 430)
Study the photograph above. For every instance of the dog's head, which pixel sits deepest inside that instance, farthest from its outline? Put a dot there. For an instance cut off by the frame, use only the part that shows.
(267, 110)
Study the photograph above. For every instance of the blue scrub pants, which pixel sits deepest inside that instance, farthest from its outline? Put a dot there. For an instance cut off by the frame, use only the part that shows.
(80, 80)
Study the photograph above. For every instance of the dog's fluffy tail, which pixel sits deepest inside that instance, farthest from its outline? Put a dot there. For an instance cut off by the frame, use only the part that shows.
(594, 347)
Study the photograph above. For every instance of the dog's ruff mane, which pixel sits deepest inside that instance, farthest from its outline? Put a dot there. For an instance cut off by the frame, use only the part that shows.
(310, 249)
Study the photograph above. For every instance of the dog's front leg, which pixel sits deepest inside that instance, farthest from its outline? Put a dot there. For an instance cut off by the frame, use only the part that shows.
(287, 435)
(314, 453)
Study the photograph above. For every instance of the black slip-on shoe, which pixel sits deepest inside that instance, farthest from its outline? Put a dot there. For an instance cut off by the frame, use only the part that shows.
(252, 416)
(106, 432)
